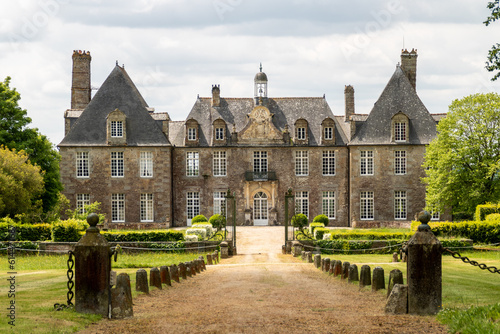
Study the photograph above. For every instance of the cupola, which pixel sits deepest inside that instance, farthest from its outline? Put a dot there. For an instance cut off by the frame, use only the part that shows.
(260, 88)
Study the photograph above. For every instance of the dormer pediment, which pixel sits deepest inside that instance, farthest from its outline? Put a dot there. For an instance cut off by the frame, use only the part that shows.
(260, 129)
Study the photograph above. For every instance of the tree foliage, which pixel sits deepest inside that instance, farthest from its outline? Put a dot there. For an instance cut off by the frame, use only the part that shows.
(463, 161)
(493, 63)
(20, 183)
(15, 134)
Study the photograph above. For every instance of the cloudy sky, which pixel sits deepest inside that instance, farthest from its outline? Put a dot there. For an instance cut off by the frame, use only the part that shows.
(175, 49)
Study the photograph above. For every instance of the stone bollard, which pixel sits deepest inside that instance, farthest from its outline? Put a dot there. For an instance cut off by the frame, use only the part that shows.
(182, 270)
(322, 264)
(395, 277)
(303, 255)
(165, 275)
(288, 246)
(397, 303)
(326, 265)
(154, 278)
(121, 298)
(309, 257)
(365, 277)
(332, 266)
(424, 270)
(395, 257)
(188, 269)
(141, 281)
(192, 266)
(202, 262)
(224, 250)
(378, 280)
(283, 249)
(317, 260)
(337, 270)
(197, 266)
(216, 256)
(353, 274)
(209, 259)
(174, 273)
(345, 270)
(92, 271)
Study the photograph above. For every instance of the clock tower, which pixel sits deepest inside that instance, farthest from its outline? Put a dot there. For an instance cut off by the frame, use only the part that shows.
(260, 88)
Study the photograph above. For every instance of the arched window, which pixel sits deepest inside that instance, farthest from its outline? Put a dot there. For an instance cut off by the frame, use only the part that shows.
(219, 132)
(328, 131)
(192, 133)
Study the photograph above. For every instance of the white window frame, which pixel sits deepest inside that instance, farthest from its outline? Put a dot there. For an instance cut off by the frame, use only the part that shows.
(260, 161)
(301, 163)
(220, 203)
(219, 133)
(366, 205)
(435, 216)
(82, 164)
(328, 163)
(400, 131)
(81, 201)
(400, 205)
(191, 134)
(117, 164)
(147, 208)
(118, 207)
(116, 129)
(366, 165)
(302, 202)
(220, 163)
(192, 205)
(328, 204)
(192, 163)
(301, 133)
(400, 162)
(146, 164)
(328, 133)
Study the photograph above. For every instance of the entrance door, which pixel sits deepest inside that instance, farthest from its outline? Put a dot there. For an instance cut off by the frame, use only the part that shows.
(260, 217)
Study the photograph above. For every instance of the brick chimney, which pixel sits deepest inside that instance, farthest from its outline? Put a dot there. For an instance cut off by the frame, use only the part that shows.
(409, 65)
(80, 86)
(349, 102)
(215, 95)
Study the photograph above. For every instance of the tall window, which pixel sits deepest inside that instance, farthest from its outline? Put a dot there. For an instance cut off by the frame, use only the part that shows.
(193, 204)
(220, 203)
(219, 133)
(146, 207)
(328, 162)
(117, 164)
(328, 133)
(399, 162)
(82, 164)
(400, 205)
(118, 207)
(328, 204)
(400, 131)
(366, 205)
(116, 129)
(366, 163)
(260, 161)
(192, 163)
(301, 163)
(191, 133)
(220, 163)
(301, 133)
(302, 202)
(146, 164)
(81, 201)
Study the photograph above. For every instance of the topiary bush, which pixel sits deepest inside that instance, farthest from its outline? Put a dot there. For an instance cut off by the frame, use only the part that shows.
(493, 217)
(199, 219)
(313, 226)
(321, 219)
(218, 221)
(485, 209)
(319, 232)
(191, 237)
(299, 221)
(201, 233)
(207, 226)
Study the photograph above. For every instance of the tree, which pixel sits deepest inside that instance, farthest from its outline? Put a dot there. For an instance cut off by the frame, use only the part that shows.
(15, 134)
(20, 183)
(463, 161)
(493, 63)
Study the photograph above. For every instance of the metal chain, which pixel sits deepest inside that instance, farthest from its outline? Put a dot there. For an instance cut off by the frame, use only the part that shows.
(70, 284)
(465, 259)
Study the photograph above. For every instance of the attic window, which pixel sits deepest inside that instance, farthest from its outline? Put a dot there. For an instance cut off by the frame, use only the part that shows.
(328, 130)
(400, 131)
(191, 133)
(328, 133)
(301, 133)
(116, 129)
(219, 133)
(399, 128)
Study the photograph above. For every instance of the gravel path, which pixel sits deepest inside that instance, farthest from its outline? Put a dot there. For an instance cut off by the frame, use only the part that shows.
(263, 291)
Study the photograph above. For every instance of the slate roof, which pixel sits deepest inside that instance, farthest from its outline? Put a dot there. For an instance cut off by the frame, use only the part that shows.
(398, 95)
(117, 92)
(286, 111)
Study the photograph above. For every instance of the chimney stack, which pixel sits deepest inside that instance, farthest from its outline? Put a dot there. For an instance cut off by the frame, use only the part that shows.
(215, 95)
(80, 86)
(409, 65)
(349, 102)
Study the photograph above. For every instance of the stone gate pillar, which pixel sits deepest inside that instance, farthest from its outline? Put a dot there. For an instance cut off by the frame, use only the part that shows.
(92, 270)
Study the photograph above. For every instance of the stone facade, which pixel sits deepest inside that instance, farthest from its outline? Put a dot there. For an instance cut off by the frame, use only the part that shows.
(360, 170)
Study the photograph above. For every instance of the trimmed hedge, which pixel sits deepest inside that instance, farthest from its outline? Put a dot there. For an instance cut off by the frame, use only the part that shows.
(368, 235)
(487, 232)
(153, 235)
(313, 226)
(319, 232)
(26, 232)
(485, 209)
(70, 230)
(19, 244)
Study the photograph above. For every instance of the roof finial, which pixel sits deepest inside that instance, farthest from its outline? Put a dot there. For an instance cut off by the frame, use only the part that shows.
(117, 62)
(261, 67)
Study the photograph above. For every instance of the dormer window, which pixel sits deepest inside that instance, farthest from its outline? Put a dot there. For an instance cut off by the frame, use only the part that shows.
(116, 129)
(328, 131)
(219, 133)
(191, 133)
(400, 128)
(301, 132)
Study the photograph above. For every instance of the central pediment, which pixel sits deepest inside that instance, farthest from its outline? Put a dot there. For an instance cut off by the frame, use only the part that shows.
(260, 129)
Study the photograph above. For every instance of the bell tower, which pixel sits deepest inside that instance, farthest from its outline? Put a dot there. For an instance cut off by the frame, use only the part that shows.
(260, 88)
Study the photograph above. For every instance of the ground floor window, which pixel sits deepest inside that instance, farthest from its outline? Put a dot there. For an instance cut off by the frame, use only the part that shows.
(400, 205)
(328, 204)
(302, 202)
(220, 203)
(146, 207)
(193, 204)
(81, 201)
(118, 207)
(366, 205)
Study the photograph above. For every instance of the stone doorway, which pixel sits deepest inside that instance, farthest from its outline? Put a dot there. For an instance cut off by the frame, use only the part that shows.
(260, 209)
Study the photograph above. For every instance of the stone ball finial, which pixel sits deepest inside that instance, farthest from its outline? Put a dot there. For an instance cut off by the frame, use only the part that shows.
(93, 219)
(424, 217)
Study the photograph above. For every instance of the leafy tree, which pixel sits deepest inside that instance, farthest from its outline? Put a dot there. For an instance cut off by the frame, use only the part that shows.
(463, 161)
(20, 183)
(493, 63)
(15, 134)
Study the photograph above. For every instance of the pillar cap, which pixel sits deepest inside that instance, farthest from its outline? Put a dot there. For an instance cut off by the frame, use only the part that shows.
(424, 217)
